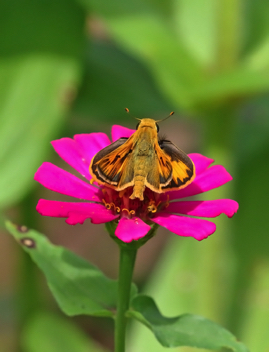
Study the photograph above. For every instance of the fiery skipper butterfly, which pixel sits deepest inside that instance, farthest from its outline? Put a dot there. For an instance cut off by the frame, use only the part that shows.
(143, 160)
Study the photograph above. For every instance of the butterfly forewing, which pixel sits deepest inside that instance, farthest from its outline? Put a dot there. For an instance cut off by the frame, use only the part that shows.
(108, 164)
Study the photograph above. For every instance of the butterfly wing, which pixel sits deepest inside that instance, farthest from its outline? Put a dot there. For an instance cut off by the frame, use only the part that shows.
(183, 169)
(108, 165)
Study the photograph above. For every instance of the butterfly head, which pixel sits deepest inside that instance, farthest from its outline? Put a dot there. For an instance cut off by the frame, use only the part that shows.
(149, 123)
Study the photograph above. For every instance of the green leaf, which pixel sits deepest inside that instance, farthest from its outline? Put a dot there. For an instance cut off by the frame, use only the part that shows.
(238, 83)
(78, 286)
(49, 332)
(258, 59)
(116, 8)
(196, 23)
(30, 112)
(40, 64)
(192, 75)
(256, 24)
(252, 133)
(153, 40)
(185, 330)
(114, 80)
(178, 70)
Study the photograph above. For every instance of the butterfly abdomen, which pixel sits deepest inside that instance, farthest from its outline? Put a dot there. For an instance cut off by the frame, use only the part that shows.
(140, 174)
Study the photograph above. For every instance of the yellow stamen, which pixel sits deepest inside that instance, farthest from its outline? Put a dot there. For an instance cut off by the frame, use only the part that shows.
(129, 212)
(152, 207)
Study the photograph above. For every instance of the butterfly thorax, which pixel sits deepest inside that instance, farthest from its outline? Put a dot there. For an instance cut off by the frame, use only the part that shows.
(144, 141)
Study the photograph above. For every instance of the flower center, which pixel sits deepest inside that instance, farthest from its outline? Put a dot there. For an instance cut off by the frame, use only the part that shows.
(120, 203)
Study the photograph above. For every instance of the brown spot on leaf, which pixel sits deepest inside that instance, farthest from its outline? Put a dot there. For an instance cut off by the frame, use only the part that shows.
(22, 228)
(28, 242)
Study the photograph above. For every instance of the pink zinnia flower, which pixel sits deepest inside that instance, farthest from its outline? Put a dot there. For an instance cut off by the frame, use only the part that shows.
(102, 204)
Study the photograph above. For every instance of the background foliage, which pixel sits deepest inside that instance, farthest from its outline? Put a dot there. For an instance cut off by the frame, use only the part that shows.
(71, 67)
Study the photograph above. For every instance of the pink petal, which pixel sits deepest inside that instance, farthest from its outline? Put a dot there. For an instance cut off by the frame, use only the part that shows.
(131, 229)
(76, 213)
(119, 131)
(79, 151)
(61, 181)
(211, 178)
(201, 162)
(183, 226)
(207, 208)
(92, 143)
(70, 152)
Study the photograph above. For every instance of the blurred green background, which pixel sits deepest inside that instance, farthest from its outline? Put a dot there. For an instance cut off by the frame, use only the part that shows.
(72, 66)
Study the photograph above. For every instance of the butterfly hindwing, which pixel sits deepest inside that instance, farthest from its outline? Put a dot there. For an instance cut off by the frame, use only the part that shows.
(182, 166)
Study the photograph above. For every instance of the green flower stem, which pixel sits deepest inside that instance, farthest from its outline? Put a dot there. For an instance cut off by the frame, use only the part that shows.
(127, 261)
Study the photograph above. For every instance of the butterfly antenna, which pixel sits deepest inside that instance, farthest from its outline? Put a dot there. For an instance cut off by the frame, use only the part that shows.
(167, 117)
(128, 112)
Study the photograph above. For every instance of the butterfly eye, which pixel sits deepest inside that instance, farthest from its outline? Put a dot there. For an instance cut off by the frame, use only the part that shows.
(157, 127)
(137, 125)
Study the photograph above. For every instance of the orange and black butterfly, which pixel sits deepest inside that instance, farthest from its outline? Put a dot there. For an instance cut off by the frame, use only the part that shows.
(143, 160)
